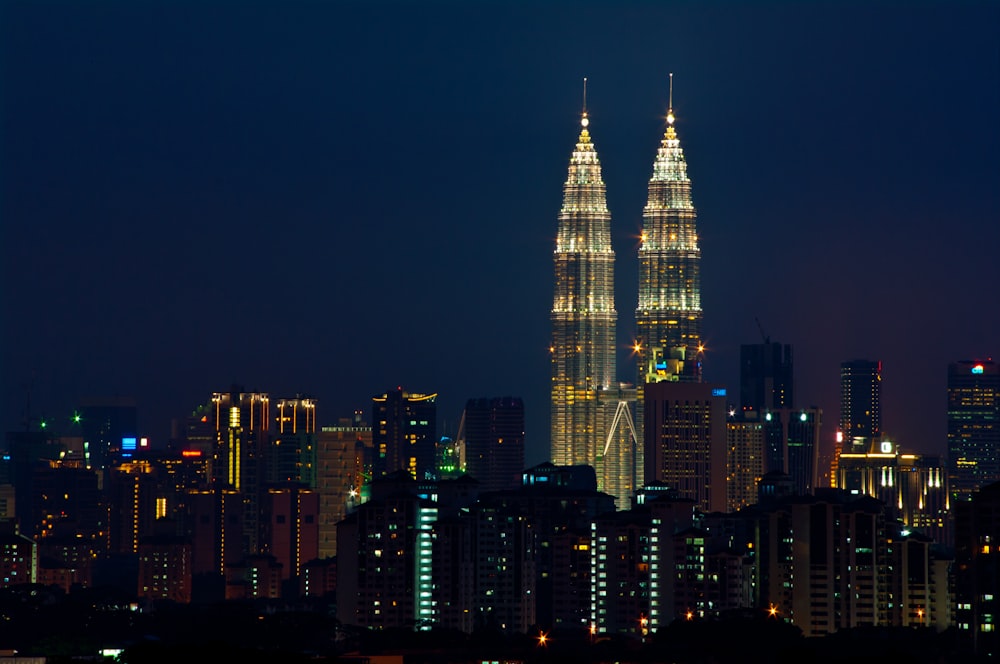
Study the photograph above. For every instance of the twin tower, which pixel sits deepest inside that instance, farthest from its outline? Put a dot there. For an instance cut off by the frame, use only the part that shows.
(592, 411)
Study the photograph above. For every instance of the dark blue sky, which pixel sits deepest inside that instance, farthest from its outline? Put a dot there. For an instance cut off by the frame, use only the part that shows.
(339, 198)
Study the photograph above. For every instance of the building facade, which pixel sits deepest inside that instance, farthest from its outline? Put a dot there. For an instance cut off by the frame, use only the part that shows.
(494, 442)
(404, 433)
(973, 425)
(860, 403)
(766, 376)
(342, 476)
(685, 440)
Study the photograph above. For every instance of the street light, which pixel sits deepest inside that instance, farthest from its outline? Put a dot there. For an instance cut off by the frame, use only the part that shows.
(543, 639)
(772, 611)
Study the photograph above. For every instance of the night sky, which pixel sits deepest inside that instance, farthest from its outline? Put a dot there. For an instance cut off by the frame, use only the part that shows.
(336, 199)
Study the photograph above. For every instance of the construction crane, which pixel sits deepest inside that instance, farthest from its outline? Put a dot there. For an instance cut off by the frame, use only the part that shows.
(760, 327)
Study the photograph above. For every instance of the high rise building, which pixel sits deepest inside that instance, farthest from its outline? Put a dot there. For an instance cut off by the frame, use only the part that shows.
(860, 403)
(973, 425)
(745, 461)
(164, 568)
(290, 527)
(494, 442)
(404, 433)
(668, 316)
(766, 376)
(243, 434)
(291, 456)
(977, 568)
(860, 410)
(685, 441)
(805, 571)
(342, 476)
(583, 311)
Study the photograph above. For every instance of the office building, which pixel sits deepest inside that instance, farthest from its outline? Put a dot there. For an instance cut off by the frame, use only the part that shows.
(745, 462)
(669, 315)
(494, 442)
(243, 434)
(342, 475)
(860, 403)
(214, 523)
(791, 444)
(583, 311)
(685, 440)
(404, 433)
(291, 455)
(913, 487)
(973, 425)
(290, 527)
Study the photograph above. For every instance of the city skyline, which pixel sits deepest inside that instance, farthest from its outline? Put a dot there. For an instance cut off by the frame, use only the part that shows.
(335, 201)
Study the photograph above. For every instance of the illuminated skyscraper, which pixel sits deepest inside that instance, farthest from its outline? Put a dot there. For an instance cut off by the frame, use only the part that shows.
(668, 317)
(583, 311)
(973, 425)
(861, 401)
(243, 433)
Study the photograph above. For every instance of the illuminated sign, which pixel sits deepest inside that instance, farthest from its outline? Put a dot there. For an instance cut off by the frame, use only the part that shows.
(719, 392)
(886, 447)
(128, 443)
(144, 442)
(191, 453)
(978, 369)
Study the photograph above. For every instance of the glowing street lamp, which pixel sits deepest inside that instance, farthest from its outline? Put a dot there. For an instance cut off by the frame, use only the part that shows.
(772, 611)
(543, 639)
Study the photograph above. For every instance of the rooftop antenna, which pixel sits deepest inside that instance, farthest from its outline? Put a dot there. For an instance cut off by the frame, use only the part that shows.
(584, 121)
(670, 104)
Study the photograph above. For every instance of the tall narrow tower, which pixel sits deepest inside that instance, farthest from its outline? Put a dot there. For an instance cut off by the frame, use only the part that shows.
(583, 310)
(668, 318)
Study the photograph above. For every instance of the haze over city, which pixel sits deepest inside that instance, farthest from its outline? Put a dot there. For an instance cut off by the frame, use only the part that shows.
(338, 199)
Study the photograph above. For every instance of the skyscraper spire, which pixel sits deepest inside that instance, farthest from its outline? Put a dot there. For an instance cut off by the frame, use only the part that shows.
(583, 309)
(668, 316)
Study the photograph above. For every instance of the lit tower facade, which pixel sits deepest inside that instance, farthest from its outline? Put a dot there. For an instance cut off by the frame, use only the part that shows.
(583, 311)
(973, 425)
(668, 318)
